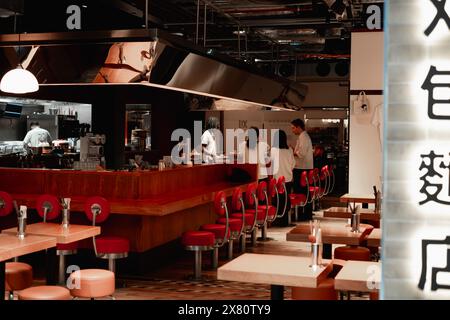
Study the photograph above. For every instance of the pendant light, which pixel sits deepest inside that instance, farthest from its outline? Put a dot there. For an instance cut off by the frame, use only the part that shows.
(19, 80)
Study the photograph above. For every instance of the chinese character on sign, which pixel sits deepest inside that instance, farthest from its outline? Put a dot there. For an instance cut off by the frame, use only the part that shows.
(441, 14)
(434, 270)
(432, 179)
(430, 86)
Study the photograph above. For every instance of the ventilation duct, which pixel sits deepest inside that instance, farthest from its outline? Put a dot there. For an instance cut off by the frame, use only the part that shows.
(154, 59)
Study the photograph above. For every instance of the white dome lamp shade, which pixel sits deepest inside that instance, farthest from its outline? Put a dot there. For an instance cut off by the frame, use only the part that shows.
(19, 81)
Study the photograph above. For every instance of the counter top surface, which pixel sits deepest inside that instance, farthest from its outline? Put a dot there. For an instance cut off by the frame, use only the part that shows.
(364, 276)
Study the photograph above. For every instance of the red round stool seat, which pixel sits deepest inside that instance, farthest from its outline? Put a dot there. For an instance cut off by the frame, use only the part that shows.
(18, 276)
(324, 291)
(247, 216)
(272, 211)
(352, 253)
(198, 238)
(112, 245)
(261, 213)
(297, 199)
(234, 224)
(68, 246)
(45, 293)
(314, 190)
(217, 229)
(374, 296)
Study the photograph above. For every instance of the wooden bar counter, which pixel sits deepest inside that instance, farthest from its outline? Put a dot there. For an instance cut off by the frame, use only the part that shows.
(150, 208)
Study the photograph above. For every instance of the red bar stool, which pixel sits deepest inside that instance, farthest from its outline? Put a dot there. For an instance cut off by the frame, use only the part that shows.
(49, 208)
(261, 212)
(314, 188)
(198, 241)
(18, 275)
(236, 224)
(325, 181)
(271, 210)
(221, 231)
(300, 199)
(97, 210)
(250, 219)
(280, 188)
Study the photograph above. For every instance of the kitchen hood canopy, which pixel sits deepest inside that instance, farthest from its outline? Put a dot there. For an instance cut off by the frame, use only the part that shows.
(148, 57)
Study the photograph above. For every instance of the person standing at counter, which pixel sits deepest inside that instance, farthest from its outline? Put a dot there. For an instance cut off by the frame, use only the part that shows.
(209, 137)
(283, 163)
(37, 137)
(303, 153)
(252, 150)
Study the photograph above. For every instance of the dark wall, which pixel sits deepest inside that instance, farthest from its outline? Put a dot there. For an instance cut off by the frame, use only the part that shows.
(169, 112)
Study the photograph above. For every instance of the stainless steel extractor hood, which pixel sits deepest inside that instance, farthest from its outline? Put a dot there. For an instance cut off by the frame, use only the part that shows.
(147, 57)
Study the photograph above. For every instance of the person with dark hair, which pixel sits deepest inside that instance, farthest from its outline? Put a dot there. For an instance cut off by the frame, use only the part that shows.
(282, 163)
(37, 136)
(209, 140)
(250, 152)
(303, 153)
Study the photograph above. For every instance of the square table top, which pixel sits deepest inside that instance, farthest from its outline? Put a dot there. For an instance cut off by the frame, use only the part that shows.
(374, 238)
(330, 233)
(274, 270)
(11, 246)
(364, 276)
(73, 233)
(360, 198)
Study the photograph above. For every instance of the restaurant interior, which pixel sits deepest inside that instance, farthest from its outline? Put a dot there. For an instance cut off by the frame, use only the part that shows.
(103, 211)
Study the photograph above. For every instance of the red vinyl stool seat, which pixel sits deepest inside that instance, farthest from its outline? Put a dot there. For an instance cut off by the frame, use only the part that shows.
(92, 283)
(108, 244)
(248, 218)
(72, 246)
(324, 291)
(374, 296)
(198, 241)
(271, 214)
(261, 213)
(352, 253)
(198, 238)
(45, 293)
(234, 224)
(297, 199)
(18, 276)
(217, 229)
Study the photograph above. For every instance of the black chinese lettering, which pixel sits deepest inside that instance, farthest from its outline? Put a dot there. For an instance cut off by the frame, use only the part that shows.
(434, 270)
(441, 14)
(429, 189)
(430, 86)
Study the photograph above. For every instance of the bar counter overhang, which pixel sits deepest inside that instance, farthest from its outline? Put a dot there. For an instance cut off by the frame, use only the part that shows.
(150, 208)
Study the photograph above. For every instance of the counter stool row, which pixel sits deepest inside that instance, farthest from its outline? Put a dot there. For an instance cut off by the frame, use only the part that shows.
(243, 221)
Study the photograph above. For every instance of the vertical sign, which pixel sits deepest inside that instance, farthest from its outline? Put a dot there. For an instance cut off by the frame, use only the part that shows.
(416, 208)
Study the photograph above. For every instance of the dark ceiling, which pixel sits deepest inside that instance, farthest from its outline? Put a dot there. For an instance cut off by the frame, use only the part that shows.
(260, 32)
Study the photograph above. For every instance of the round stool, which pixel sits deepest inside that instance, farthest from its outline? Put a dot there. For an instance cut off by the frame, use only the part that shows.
(198, 241)
(92, 283)
(352, 253)
(236, 227)
(324, 291)
(18, 276)
(374, 296)
(45, 293)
